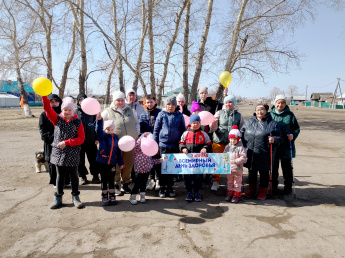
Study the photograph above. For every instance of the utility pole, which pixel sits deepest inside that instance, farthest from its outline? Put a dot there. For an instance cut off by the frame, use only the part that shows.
(306, 93)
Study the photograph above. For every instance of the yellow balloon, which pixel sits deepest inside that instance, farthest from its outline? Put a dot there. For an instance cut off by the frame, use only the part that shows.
(225, 78)
(42, 86)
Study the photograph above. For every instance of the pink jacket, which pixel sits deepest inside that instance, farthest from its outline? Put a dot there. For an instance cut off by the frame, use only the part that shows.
(238, 154)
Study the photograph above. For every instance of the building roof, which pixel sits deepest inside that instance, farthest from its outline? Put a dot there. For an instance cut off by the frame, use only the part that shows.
(298, 98)
(321, 96)
(177, 91)
(12, 86)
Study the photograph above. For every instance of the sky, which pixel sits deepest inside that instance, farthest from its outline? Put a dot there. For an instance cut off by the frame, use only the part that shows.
(322, 43)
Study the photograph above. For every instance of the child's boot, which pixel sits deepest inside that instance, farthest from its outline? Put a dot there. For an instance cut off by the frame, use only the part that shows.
(215, 186)
(151, 185)
(236, 197)
(252, 190)
(142, 197)
(126, 188)
(133, 199)
(189, 197)
(118, 191)
(229, 196)
(112, 198)
(76, 201)
(158, 186)
(57, 202)
(262, 193)
(105, 199)
(197, 197)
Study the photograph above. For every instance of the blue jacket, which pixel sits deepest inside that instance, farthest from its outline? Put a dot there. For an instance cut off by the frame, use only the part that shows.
(108, 152)
(146, 124)
(168, 129)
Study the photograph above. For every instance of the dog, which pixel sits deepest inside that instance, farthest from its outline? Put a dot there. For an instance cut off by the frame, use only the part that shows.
(40, 161)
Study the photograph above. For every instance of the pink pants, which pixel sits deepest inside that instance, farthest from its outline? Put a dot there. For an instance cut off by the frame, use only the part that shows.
(234, 181)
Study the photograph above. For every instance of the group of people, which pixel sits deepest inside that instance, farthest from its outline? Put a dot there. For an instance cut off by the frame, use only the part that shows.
(258, 143)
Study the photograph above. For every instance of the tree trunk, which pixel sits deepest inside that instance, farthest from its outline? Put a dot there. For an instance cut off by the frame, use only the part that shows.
(83, 71)
(167, 57)
(152, 54)
(107, 94)
(201, 50)
(141, 48)
(26, 107)
(185, 54)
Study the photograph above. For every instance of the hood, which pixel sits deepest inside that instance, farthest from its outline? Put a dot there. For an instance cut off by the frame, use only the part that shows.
(54, 96)
(80, 96)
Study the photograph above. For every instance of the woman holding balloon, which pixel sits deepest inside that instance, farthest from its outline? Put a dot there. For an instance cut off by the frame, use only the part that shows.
(126, 124)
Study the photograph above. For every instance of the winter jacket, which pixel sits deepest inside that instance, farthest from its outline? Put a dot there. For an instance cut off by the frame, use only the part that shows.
(255, 135)
(168, 129)
(238, 154)
(210, 105)
(195, 140)
(71, 132)
(185, 110)
(126, 123)
(46, 128)
(136, 107)
(147, 120)
(89, 123)
(142, 162)
(226, 119)
(287, 124)
(108, 153)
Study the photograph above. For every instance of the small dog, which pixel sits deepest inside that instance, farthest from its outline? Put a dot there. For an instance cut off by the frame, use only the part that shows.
(40, 161)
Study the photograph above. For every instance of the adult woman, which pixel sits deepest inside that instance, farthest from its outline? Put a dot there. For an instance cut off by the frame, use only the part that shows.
(224, 120)
(126, 123)
(258, 132)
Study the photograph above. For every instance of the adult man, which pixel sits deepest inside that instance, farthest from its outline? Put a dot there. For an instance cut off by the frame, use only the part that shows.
(133, 103)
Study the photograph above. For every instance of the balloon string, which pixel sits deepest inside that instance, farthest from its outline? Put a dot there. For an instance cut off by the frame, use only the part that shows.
(92, 124)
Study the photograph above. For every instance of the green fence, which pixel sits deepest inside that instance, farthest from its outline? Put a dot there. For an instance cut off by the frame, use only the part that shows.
(322, 105)
(35, 104)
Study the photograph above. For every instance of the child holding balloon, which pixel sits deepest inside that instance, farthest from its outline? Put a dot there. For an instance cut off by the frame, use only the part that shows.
(107, 157)
(143, 164)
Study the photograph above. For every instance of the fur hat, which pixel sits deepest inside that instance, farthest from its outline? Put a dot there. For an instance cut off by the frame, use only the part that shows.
(203, 89)
(230, 98)
(108, 123)
(172, 99)
(130, 91)
(194, 118)
(280, 97)
(118, 95)
(195, 107)
(67, 102)
(235, 133)
(180, 97)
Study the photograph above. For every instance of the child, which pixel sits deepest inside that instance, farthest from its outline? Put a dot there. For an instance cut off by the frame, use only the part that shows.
(143, 164)
(167, 132)
(237, 158)
(194, 140)
(107, 157)
(147, 123)
(195, 109)
(68, 137)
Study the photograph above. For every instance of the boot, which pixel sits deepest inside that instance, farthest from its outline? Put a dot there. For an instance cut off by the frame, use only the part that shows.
(105, 199)
(252, 191)
(229, 196)
(151, 185)
(118, 191)
(112, 198)
(158, 186)
(262, 193)
(76, 201)
(56, 203)
(126, 189)
(142, 197)
(133, 199)
(236, 198)
(215, 186)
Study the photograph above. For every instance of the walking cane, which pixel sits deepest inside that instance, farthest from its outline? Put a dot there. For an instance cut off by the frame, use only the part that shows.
(271, 170)
(293, 179)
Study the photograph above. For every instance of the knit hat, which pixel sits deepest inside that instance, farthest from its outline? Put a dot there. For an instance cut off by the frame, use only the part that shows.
(195, 107)
(108, 123)
(229, 98)
(203, 89)
(235, 133)
(172, 99)
(130, 91)
(263, 105)
(118, 95)
(67, 102)
(194, 118)
(180, 97)
(278, 97)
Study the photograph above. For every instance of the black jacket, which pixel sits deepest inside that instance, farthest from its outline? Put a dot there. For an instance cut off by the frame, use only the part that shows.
(255, 135)
(88, 123)
(185, 110)
(211, 105)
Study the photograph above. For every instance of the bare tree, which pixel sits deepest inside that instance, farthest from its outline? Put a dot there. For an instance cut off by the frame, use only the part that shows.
(274, 92)
(292, 89)
(152, 53)
(185, 53)
(201, 50)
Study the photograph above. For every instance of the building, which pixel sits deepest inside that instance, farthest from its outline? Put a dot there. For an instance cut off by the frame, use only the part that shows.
(11, 87)
(174, 92)
(321, 97)
(295, 100)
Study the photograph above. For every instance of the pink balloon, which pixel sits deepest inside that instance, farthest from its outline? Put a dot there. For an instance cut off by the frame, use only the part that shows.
(206, 117)
(91, 106)
(126, 143)
(149, 146)
(186, 119)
